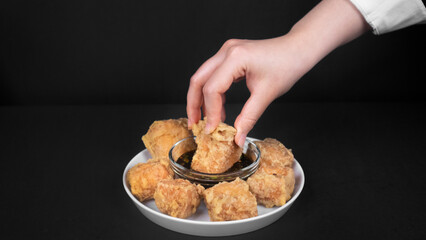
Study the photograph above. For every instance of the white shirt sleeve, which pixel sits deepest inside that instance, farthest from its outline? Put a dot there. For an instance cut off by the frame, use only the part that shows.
(390, 15)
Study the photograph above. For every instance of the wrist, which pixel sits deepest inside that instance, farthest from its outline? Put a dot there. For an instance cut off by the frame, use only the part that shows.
(327, 26)
(309, 49)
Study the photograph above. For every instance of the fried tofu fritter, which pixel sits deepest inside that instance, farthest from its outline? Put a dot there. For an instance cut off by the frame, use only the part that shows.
(269, 189)
(272, 186)
(178, 197)
(286, 172)
(273, 183)
(274, 153)
(144, 177)
(165, 162)
(162, 135)
(216, 152)
(228, 201)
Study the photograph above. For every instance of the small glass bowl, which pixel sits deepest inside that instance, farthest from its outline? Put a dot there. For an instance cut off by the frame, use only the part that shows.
(210, 179)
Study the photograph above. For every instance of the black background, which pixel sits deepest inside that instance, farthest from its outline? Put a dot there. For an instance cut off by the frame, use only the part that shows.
(131, 52)
(81, 82)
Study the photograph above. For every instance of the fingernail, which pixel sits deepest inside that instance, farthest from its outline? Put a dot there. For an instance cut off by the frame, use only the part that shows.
(208, 129)
(241, 140)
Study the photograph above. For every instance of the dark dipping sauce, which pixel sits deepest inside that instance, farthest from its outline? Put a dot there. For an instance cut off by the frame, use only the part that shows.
(186, 159)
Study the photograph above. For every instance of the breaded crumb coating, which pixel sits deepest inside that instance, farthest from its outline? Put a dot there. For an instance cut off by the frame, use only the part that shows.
(165, 162)
(274, 153)
(163, 134)
(177, 198)
(144, 177)
(272, 186)
(286, 172)
(216, 152)
(228, 201)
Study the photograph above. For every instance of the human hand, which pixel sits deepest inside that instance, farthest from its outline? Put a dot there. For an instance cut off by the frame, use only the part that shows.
(270, 67)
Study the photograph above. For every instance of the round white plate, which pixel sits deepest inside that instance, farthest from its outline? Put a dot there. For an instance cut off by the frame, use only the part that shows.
(200, 224)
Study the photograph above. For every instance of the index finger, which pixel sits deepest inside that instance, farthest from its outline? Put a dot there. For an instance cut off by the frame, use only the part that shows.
(194, 98)
(214, 90)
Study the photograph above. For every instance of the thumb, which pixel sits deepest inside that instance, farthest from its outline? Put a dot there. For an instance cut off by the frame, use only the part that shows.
(251, 112)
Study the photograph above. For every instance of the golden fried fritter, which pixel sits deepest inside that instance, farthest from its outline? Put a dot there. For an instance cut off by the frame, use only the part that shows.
(272, 186)
(177, 198)
(274, 153)
(144, 177)
(228, 201)
(162, 135)
(165, 162)
(216, 152)
(286, 172)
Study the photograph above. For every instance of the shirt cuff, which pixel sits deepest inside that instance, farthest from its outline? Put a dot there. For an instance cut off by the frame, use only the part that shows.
(390, 15)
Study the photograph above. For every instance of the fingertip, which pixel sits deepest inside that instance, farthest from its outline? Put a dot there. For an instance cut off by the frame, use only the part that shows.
(192, 114)
(209, 128)
(240, 139)
(211, 124)
(190, 123)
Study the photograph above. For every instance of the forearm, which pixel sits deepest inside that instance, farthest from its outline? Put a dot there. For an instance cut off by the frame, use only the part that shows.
(327, 26)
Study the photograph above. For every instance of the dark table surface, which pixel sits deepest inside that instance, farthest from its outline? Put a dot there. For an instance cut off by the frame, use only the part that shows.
(61, 169)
